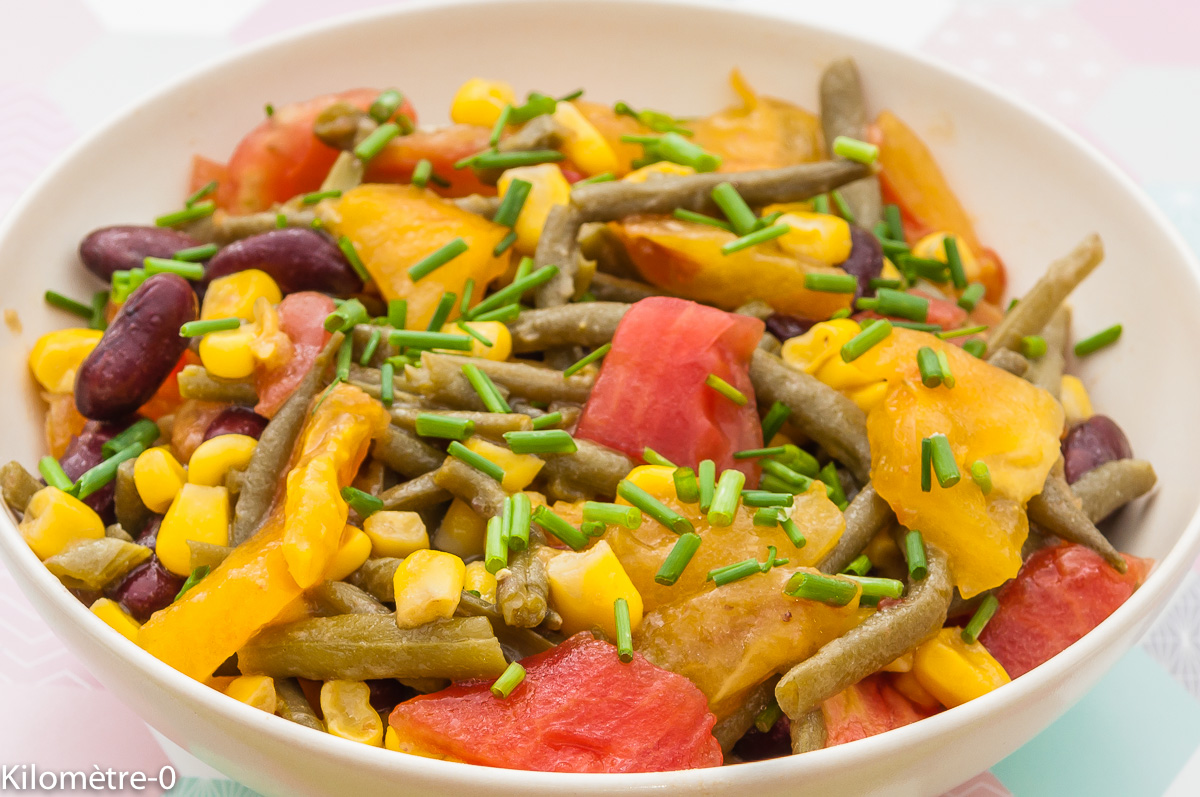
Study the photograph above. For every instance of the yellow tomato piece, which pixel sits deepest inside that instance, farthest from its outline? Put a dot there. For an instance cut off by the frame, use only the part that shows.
(234, 295)
(818, 352)
(254, 690)
(494, 331)
(158, 478)
(346, 706)
(227, 354)
(906, 683)
(53, 519)
(428, 585)
(658, 169)
(478, 578)
(462, 530)
(479, 102)
(933, 247)
(584, 587)
(954, 671)
(612, 126)
(214, 458)
(394, 226)
(397, 534)
(685, 259)
(57, 355)
(117, 618)
(353, 550)
(584, 147)
(547, 188)
(820, 236)
(519, 469)
(199, 514)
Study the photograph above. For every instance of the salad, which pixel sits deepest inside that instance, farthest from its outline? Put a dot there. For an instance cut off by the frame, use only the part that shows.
(579, 437)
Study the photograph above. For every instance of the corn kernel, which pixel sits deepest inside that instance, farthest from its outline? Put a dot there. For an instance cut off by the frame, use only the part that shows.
(227, 354)
(158, 477)
(111, 613)
(1076, 403)
(494, 331)
(233, 296)
(953, 671)
(199, 513)
(548, 188)
(819, 236)
(658, 169)
(906, 683)
(479, 102)
(353, 550)
(349, 713)
(53, 519)
(585, 585)
(657, 480)
(397, 534)
(214, 458)
(391, 739)
(519, 469)
(817, 352)
(462, 530)
(57, 355)
(480, 580)
(903, 663)
(254, 690)
(428, 586)
(585, 147)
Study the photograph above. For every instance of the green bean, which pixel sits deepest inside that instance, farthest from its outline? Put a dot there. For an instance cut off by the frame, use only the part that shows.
(589, 324)
(207, 553)
(441, 381)
(419, 493)
(1011, 361)
(488, 424)
(844, 113)
(1039, 303)
(832, 420)
(478, 204)
(293, 706)
(406, 453)
(878, 640)
(94, 564)
(18, 485)
(132, 513)
(520, 379)
(607, 288)
(1105, 489)
(867, 515)
(482, 492)
(196, 383)
(362, 337)
(616, 200)
(375, 578)
(1057, 511)
(517, 641)
(600, 243)
(592, 470)
(522, 595)
(345, 174)
(369, 380)
(114, 531)
(1046, 371)
(557, 247)
(756, 308)
(359, 647)
(808, 732)
(341, 597)
(732, 727)
(224, 228)
(260, 481)
(541, 132)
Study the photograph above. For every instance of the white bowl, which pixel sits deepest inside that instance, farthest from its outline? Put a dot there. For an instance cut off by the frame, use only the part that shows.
(1034, 188)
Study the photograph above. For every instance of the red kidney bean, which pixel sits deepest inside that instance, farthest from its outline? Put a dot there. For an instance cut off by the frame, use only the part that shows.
(236, 420)
(149, 535)
(788, 326)
(1091, 443)
(85, 452)
(297, 259)
(865, 261)
(121, 248)
(138, 351)
(759, 746)
(387, 693)
(147, 588)
(86, 596)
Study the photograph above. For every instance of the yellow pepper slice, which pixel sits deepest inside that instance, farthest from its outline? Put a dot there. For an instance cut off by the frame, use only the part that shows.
(954, 671)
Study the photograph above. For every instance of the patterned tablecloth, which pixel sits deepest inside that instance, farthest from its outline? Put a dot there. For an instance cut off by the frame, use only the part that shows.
(1102, 66)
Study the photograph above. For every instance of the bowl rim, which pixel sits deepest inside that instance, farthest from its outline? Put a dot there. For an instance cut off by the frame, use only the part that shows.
(1145, 603)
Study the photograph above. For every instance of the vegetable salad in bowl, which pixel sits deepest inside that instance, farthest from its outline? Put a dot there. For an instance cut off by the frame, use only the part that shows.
(579, 437)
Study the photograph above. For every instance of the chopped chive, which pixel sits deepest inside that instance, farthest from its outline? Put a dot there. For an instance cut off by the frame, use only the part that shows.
(100, 475)
(505, 242)
(536, 104)
(624, 631)
(479, 336)
(773, 421)
(982, 476)
(509, 680)
(574, 95)
(919, 326)
(652, 457)
(436, 259)
(971, 296)
(831, 283)
(197, 211)
(421, 173)
(415, 339)
(895, 227)
(541, 441)
(476, 461)
(740, 216)
(979, 620)
(504, 314)
(953, 259)
(767, 516)
(914, 552)
(397, 313)
(511, 160)
(734, 572)
(468, 294)
(80, 309)
(587, 359)
(725, 389)
(200, 193)
(902, 305)
(766, 498)
(351, 255)
(593, 528)
(855, 150)
(385, 105)
(687, 489)
(344, 355)
(194, 254)
(700, 218)
(926, 465)
(833, 485)
(442, 312)
(495, 547)
(859, 567)
(768, 717)
(372, 344)
(932, 270)
(196, 328)
(675, 148)
(281, 221)
(606, 177)
(194, 578)
(793, 532)
(858, 345)
(512, 292)
(976, 347)
(54, 475)
(653, 507)
(751, 453)
(162, 265)
(796, 482)
(927, 365)
(316, 196)
(944, 367)
(799, 460)
(524, 268)
(374, 143)
(820, 204)
(518, 530)
(725, 499)
(961, 332)
(768, 220)
(866, 303)
(501, 123)
(755, 238)
(831, 590)
(514, 199)
(557, 526)
(878, 587)
(879, 282)
(361, 502)
(894, 249)
(1033, 346)
(439, 181)
(677, 560)
(707, 477)
(655, 120)
(431, 424)
(944, 466)
(1100, 340)
(629, 517)
(842, 206)
(547, 420)
(774, 484)
(346, 317)
(387, 388)
(486, 388)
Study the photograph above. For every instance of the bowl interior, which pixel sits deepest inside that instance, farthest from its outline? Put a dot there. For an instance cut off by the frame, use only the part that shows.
(1033, 190)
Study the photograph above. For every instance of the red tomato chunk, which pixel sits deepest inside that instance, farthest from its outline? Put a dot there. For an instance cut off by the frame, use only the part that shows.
(579, 709)
(651, 389)
(302, 319)
(868, 708)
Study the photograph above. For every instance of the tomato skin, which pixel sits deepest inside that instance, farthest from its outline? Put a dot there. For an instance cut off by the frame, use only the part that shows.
(442, 148)
(302, 319)
(651, 390)
(867, 708)
(1060, 594)
(579, 709)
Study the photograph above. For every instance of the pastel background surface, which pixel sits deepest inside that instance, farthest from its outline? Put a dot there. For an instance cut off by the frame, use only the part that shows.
(1123, 73)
